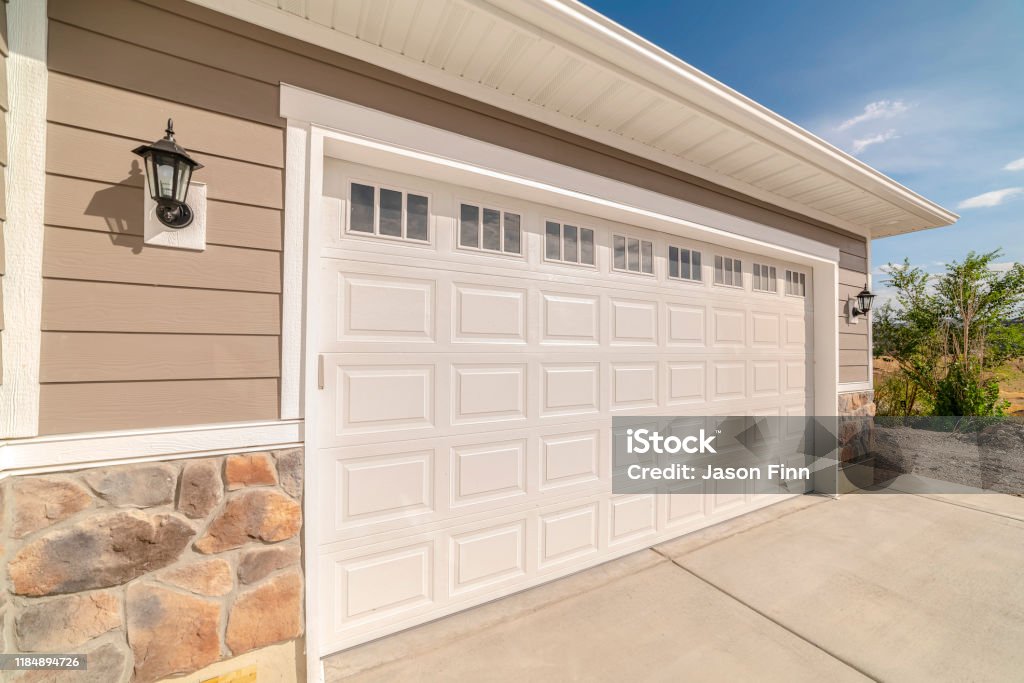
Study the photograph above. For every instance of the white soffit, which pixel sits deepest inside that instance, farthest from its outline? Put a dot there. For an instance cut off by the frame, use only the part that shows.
(561, 63)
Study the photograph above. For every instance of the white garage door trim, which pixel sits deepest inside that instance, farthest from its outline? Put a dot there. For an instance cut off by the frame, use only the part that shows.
(320, 126)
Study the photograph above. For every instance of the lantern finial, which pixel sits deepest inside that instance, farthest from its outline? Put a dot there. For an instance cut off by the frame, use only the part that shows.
(170, 129)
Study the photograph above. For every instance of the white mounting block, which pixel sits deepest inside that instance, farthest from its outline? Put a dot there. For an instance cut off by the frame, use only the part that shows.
(192, 237)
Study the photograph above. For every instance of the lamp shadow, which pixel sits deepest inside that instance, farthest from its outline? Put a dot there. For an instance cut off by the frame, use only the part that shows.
(121, 206)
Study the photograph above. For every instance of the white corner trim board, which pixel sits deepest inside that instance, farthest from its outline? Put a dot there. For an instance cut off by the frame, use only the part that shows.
(78, 451)
(25, 185)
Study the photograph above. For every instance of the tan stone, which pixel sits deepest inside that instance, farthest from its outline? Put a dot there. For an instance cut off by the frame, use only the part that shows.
(210, 577)
(40, 502)
(64, 623)
(257, 514)
(135, 485)
(169, 632)
(289, 470)
(258, 563)
(267, 614)
(107, 664)
(249, 469)
(201, 488)
(98, 552)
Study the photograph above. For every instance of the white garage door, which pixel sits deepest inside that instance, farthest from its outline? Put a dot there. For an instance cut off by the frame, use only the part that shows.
(474, 349)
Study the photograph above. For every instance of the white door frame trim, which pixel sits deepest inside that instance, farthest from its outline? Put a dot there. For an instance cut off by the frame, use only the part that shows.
(357, 134)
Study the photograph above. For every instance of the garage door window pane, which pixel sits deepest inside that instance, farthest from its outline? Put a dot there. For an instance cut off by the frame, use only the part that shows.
(416, 207)
(390, 213)
(492, 230)
(552, 241)
(587, 246)
(633, 254)
(647, 257)
(620, 252)
(570, 248)
(684, 266)
(361, 213)
(673, 262)
(469, 226)
(695, 272)
(512, 234)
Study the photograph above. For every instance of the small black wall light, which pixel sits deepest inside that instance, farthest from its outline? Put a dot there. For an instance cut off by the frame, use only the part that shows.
(168, 171)
(861, 305)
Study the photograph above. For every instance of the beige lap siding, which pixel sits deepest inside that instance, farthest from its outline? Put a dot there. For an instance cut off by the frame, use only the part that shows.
(854, 351)
(117, 71)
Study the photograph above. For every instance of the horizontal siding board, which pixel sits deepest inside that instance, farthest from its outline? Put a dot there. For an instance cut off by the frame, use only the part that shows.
(88, 255)
(103, 207)
(113, 357)
(860, 327)
(853, 357)
(853, 373)
(853, 342)
(850, 277)
(106, 158)
(103, 406)
(858, 264)
(106, 109)
(88, 55)
(70, 305)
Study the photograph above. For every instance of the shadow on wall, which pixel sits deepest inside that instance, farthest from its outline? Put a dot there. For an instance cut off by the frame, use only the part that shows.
(121, 206)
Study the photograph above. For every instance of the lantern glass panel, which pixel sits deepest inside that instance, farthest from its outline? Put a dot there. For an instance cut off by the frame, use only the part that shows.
(164, 176)
(151, 176)
(181, 182)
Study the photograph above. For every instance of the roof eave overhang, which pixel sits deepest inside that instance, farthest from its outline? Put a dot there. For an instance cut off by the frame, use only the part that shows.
(587, 35)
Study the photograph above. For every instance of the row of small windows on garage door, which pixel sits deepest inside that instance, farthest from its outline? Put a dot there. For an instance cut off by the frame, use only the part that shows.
(397, 214)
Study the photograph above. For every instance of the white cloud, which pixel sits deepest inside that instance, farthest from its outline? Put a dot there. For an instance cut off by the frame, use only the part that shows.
(882, 109)
(861, 144)
(993, 198)
(1017, 165)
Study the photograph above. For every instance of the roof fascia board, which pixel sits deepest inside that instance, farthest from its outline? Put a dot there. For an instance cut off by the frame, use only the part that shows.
(600, 36)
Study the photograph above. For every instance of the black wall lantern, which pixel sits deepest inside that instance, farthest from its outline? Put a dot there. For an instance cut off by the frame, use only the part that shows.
(168, 171)
(862, 304)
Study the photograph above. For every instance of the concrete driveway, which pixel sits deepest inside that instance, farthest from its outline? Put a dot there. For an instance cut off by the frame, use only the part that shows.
(890, 587)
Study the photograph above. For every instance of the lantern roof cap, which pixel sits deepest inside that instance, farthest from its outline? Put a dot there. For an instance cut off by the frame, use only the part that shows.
(167, 144)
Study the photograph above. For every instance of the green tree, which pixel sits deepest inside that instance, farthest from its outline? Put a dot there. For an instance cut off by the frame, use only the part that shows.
(950, 333)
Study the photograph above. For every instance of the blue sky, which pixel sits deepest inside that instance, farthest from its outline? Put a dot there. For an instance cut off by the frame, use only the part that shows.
(930, 93)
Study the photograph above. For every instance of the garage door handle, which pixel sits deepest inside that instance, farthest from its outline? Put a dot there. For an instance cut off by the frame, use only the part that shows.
(320, 371)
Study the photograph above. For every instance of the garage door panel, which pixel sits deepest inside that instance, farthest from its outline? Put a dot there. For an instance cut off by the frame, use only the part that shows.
(488, 313)
(569, 318)
(634, 322)
(570, 389)
(686, 382)
(686, 325)
(488, 392)
(467, 398)
(488, 472)
(634, 385)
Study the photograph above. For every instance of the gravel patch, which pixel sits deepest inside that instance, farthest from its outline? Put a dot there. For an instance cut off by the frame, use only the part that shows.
(991, 459)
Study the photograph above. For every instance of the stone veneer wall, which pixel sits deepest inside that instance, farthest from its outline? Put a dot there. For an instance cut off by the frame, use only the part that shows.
(153, 569)
(856, 411)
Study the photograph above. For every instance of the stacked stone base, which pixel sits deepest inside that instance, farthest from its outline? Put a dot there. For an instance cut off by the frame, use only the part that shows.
(153, 569)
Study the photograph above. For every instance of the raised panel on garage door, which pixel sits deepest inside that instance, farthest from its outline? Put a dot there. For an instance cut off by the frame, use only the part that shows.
(464, 436)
